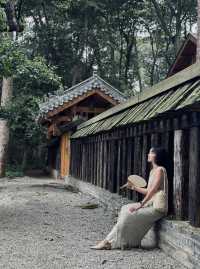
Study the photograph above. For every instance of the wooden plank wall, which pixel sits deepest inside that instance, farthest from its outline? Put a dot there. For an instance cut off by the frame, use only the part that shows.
(107, 159)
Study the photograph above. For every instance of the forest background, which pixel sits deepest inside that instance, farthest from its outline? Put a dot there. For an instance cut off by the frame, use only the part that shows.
(46, 46)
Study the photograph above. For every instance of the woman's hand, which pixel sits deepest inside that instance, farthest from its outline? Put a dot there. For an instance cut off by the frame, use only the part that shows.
(130, 186)
(135, 208)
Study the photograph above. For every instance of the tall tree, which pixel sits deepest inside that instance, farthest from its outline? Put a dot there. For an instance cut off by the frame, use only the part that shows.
(13, 26)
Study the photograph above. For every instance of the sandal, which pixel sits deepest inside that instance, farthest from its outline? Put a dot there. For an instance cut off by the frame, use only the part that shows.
(102, 245)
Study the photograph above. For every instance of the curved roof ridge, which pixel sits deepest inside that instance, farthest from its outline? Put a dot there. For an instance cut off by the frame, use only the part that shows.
(79, 89)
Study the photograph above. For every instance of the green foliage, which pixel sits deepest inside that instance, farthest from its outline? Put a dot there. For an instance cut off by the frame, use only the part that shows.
(38, 78)
(26, 135)
(13, 171)
(132, 42)
(3, 25)
(10, 57)
(32, 79)
(21, 114)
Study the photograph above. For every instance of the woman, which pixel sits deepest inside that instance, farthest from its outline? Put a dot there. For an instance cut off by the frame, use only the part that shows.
(135, 219)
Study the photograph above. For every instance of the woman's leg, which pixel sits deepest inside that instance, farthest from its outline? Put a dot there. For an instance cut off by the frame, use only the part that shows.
(114, 237)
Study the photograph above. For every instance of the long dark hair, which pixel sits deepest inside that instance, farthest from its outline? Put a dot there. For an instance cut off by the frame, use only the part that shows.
(162, 158)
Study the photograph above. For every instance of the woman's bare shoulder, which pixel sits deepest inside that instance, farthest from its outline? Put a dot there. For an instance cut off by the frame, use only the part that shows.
(159, 170)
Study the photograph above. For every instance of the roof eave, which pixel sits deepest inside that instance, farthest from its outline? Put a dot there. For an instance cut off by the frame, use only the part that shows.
(181, 77)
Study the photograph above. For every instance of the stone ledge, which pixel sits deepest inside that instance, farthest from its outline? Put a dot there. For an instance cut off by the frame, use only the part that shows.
(176, 238)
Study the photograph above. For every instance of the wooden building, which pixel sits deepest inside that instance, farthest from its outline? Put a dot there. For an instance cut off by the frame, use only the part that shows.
(62, 112)
(186, 55)
(112, 145)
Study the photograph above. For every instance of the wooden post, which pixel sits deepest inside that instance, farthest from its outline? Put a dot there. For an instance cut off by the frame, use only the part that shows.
(65, 155)
(101, 163)
(155, 140)
(95, 162)
(168, 144)
(87, 162)
(180, 182)
(98, 161)
(71, 165)
(108, 165)
(112, 163)
(129, 163)
(82, 160)
(78, 163)
(145, 149)
(105, 149)
(124, 162)
(194, 177)
(119, 170)
(137, 161)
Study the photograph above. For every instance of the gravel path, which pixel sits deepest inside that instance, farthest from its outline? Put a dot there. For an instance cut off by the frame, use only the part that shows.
(43, 226)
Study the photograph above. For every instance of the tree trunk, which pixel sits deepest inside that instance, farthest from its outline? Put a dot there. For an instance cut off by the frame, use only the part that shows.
(7, 89)
(137, 62)
(129, 48)
(198, 34)
(24, 159)
(4, 137)
(7, 84)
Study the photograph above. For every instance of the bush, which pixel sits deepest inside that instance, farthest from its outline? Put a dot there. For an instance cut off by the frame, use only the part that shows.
(14, 171)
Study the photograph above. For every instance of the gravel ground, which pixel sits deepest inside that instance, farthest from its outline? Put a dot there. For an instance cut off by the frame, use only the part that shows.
(43, 226)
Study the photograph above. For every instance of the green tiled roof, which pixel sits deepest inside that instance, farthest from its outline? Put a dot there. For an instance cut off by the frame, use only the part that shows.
(176, 92)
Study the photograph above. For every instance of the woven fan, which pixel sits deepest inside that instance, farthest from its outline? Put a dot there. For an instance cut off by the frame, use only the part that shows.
(136, 181)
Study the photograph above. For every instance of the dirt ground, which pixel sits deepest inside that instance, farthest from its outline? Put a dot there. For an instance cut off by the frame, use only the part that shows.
(43, 226)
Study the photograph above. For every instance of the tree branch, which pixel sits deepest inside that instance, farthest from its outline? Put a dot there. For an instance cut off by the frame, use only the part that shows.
(161, 19)
(11, 17)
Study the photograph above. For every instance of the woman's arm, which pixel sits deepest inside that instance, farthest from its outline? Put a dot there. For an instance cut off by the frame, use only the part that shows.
(140, 190)
(155, 185)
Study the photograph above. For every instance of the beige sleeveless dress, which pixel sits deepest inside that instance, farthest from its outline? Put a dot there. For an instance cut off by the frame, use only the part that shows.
(132, 227)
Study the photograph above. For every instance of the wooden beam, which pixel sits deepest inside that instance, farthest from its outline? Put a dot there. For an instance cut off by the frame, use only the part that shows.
(90, 109)
(53, 131)
(62, 119)
(107, 97)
